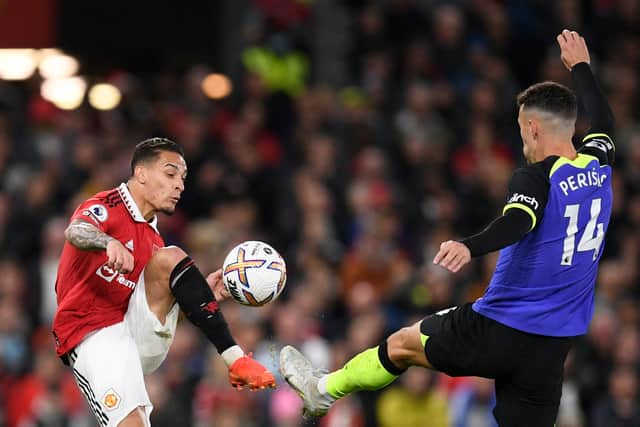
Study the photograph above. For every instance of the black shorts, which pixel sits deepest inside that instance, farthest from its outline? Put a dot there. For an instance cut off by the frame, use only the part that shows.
(527, 368)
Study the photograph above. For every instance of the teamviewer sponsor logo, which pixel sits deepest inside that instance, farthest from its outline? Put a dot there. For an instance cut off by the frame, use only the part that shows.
(108, 274)
(520, 198)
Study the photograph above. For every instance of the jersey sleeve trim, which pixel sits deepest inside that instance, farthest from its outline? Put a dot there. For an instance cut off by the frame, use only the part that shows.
(579, 162)
(85, 213)
(525, 208)
(600, 135)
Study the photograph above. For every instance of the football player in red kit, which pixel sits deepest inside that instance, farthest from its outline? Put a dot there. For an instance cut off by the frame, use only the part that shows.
(119, 292)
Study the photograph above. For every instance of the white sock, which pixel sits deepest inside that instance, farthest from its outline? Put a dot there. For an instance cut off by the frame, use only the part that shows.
(322, 388)
(232, 354)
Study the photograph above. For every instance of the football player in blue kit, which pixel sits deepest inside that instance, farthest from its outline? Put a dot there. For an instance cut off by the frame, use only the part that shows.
(550, 236)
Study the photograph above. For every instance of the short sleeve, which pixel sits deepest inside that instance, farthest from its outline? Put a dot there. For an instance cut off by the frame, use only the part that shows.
(96, 212)
(599, 145)
(528, 191)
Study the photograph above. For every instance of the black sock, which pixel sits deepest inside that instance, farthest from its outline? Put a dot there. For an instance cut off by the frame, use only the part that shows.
(198, 303)
(383, 355)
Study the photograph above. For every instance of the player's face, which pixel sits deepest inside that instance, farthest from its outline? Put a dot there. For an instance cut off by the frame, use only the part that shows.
(165, 181)
(527, 133)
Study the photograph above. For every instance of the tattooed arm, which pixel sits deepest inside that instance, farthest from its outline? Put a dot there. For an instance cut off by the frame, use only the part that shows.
(87, 237)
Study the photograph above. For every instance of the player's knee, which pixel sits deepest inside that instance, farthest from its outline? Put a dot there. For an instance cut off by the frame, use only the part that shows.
(165, 259)
(403, 345)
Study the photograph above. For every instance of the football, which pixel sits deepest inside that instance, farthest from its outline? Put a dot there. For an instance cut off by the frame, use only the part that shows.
(254, 273)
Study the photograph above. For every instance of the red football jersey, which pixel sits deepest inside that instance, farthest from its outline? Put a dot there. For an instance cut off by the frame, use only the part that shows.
(90, 294)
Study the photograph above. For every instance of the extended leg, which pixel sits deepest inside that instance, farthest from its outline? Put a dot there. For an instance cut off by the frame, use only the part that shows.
(172, 276)
(371, 369)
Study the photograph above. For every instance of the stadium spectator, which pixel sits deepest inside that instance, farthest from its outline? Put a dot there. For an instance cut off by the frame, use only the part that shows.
(385, 163)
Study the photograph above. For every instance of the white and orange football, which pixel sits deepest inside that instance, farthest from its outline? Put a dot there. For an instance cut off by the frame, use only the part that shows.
(254, 273)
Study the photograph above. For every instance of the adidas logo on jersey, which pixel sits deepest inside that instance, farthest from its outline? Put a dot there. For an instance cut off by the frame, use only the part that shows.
(129, 245)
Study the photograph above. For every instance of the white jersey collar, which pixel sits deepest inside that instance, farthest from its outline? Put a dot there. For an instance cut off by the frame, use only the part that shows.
(132, 207)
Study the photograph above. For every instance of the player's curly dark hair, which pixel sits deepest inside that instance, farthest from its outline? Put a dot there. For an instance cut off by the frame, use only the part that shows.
(150, 148)
(551, 97)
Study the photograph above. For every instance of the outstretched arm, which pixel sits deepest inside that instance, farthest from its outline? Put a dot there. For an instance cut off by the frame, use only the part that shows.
(87, 237)
(526, 201)
(502, 232)
(575, 56)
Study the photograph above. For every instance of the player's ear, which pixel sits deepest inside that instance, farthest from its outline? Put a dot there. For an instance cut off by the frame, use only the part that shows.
(140, 174)
(534, 128)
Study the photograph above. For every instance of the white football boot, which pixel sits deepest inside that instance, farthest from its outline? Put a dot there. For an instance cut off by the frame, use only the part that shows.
(303, 378)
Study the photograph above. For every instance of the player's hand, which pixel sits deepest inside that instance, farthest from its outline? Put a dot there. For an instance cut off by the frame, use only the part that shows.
(118, 257)
(573, 49)
(452, 255)
(218, 288)
(248, 372)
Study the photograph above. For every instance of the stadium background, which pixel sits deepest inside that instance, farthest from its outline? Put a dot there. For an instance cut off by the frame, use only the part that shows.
(356, 137)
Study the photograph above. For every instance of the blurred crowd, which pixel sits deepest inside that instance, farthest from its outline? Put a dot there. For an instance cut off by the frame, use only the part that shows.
(355, 184)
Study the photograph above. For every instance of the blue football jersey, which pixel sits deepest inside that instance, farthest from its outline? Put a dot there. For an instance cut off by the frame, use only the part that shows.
(544, 283)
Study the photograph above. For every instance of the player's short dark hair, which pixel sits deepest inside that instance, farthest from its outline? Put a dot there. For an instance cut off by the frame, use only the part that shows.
(150, 148)
(551, 97)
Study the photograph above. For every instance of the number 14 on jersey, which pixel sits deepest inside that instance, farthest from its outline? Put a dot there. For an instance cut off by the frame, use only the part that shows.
(592, 237)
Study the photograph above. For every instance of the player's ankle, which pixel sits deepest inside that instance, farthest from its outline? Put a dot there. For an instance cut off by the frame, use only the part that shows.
(322, 388)
(232, 354)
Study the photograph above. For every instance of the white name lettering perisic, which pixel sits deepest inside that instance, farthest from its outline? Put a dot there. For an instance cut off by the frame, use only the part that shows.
(580, 180)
